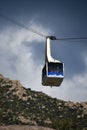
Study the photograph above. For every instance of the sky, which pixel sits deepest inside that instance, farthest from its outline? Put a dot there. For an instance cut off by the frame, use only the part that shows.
(22, 52)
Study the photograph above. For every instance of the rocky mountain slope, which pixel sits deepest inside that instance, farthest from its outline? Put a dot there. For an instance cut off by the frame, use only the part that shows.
(21, 106)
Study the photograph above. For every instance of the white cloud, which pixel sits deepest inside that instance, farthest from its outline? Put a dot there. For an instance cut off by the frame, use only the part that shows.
(16, 58)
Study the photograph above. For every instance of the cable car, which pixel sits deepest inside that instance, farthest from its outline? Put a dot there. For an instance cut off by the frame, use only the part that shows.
(53, 70)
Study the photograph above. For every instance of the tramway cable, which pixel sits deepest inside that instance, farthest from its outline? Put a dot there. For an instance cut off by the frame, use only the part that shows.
(21, 25)
(36, 32)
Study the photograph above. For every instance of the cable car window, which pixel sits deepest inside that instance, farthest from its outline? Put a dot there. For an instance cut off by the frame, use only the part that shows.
(55, 69)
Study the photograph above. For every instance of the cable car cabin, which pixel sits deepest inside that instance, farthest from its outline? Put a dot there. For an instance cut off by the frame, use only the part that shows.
(53, 71)
(53, 74)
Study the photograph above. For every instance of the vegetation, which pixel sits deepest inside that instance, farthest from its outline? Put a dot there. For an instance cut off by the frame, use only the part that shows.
(24, 106)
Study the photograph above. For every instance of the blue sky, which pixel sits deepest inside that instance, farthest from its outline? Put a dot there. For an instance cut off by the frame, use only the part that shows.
(22, 52)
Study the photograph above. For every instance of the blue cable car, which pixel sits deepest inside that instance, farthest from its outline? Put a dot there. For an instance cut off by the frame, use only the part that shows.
(53, 71)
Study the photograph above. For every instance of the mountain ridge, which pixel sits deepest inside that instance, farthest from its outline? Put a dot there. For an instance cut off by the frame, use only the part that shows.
(21, 106)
